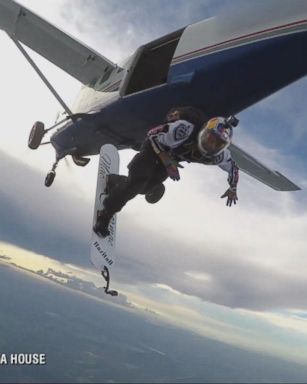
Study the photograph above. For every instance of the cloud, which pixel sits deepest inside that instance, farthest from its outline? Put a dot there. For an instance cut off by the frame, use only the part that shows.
(51, 222)
(117, 29)
(252, 255)
(244, 268)
(279, 121)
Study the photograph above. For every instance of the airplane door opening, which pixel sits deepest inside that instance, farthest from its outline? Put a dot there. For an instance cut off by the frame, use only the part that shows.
(151, 64)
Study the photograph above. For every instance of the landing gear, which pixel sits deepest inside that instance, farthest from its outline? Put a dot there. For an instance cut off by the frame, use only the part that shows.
(35, 140)
(36, 135)
(80, 161)
(38, 131)
(49, 178)
(51, 175)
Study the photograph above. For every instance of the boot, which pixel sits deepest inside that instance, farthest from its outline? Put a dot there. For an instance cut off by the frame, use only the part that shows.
(101, 228)
(155, 194)
(113, 180)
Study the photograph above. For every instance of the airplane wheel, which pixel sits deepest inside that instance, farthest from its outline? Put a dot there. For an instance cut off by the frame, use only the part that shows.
(49, 178)
(36, 135)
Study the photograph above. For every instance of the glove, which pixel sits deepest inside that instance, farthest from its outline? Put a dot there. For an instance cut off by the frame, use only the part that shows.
(172, 171)
(170, 165)
(231, 195)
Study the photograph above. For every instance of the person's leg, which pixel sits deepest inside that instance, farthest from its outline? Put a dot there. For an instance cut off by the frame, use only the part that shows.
(155, 194)
(141, 171)
(119, 195)
(155, 188)
(122, 192)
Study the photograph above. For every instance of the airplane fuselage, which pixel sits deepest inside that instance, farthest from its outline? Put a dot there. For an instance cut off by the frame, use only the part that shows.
(212, 66)
(223, 83)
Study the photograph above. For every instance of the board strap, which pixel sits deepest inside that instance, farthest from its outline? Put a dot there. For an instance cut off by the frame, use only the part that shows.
(106, 275)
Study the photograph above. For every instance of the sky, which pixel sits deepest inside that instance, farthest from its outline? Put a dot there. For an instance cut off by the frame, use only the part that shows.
(236, 275)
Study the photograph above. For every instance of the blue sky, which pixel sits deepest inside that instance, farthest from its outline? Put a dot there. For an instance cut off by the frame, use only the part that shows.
(242, 267)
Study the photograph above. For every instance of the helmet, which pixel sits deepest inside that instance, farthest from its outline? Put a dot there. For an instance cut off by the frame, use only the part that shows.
(215, 136)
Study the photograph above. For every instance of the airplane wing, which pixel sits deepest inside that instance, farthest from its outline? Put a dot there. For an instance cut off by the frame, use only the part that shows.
(254, 168)
(75, 58)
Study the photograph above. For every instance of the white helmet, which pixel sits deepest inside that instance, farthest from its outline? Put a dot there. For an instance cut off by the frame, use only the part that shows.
(215, 136)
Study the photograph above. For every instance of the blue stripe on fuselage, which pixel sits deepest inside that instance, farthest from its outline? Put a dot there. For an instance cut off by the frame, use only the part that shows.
(219, 83)
(233, 79)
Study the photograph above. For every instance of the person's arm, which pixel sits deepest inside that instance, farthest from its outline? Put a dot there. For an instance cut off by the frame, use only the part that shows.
(229, 165)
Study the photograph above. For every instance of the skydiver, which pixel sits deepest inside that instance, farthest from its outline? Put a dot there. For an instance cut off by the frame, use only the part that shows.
(183, 137)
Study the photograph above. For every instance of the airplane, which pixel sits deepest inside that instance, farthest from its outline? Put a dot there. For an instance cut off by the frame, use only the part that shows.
(221, 65)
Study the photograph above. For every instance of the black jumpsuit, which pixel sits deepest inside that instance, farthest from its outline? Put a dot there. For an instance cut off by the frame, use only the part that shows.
(146, 169)
(145, 172)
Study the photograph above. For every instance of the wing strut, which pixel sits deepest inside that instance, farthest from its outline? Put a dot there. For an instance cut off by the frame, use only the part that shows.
(42, 76)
